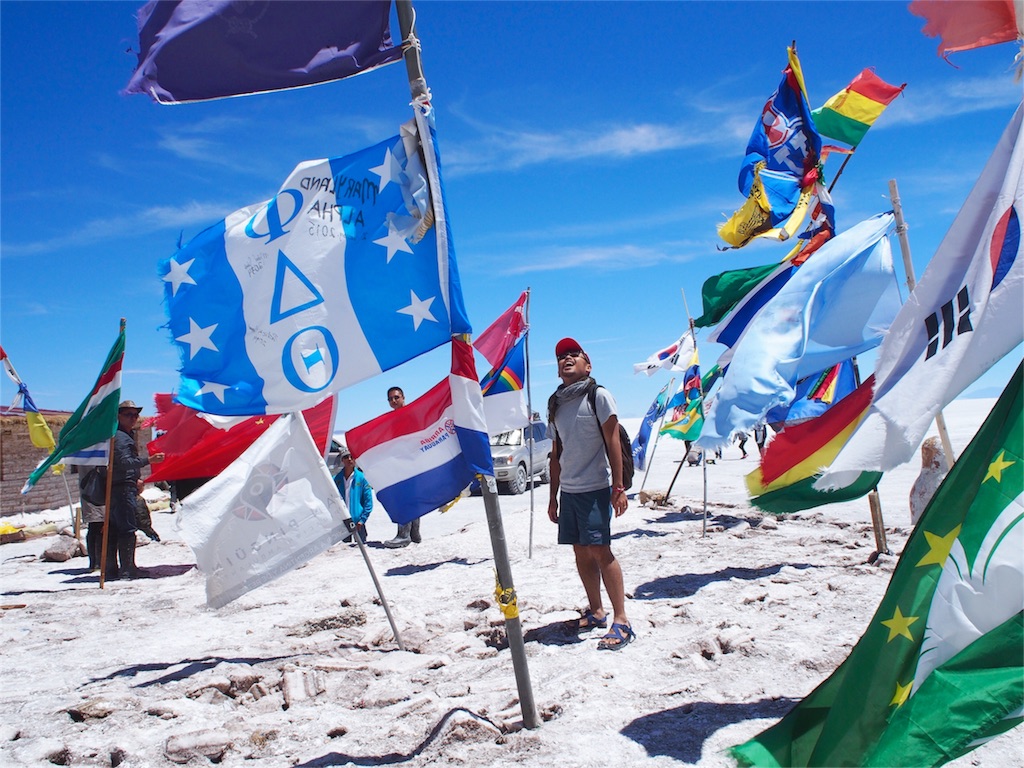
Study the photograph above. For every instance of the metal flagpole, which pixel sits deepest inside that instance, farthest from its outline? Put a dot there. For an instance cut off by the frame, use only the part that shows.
(505, 591)
(700, 394)
(908, 265)
(529, 408)
(373, 575)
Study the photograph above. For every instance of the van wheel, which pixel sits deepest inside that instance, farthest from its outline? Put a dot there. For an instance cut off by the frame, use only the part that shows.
(517, 484)
(545, 476)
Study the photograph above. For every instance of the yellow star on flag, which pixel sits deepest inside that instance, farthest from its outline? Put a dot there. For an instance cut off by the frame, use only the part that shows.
(995, 469)
(938, 547)
(899, 625)
(902, 694)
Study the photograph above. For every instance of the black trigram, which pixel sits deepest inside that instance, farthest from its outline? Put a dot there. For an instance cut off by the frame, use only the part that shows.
(943, 321)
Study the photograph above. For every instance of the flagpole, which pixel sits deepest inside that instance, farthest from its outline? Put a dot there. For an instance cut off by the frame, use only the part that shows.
(106, 513)
(529, 409)
(373, 576)
(700, 393)
(411, 49)
(908, 266)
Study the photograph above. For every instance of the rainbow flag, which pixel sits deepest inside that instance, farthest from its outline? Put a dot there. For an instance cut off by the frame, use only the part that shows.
(847, 116)
(790, 465)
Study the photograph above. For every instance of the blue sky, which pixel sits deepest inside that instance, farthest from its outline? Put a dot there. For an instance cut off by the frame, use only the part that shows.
(589, 149)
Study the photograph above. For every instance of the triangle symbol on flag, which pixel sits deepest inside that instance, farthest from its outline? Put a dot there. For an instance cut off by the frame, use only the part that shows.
(293, 291)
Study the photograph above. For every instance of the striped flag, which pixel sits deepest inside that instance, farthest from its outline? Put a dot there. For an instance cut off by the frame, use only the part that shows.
(499, 337)
(792, 461)
(94, 420)
(940, 668)
(504, 395)
(38, 430)
(422, 456)
(847, 116)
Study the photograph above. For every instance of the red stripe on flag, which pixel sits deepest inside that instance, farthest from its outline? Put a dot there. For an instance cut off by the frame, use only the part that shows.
(795, 444)
(871, 86)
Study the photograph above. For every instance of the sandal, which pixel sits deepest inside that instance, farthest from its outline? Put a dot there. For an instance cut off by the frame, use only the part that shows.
(618, 638)
(587, 621)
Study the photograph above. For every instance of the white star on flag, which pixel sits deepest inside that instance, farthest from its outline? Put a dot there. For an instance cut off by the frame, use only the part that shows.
(419, 310)
(178, 274)
(198, 338)
(212, 388)
(389, 170)
(394, 241)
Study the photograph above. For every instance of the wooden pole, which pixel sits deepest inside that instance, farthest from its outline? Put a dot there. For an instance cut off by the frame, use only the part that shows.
(908, 266)
(106, 514)
(881, 546)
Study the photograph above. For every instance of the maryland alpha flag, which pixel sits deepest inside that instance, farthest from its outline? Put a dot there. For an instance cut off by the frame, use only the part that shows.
(940, 668)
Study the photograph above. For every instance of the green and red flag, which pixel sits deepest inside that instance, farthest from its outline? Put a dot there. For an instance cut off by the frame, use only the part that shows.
(847, 116)
(783, 483)
(940, 669)
(95, 420)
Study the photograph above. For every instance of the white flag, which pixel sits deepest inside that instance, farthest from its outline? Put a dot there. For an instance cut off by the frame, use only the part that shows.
(962, 317)
(668, 357)
(274, 508)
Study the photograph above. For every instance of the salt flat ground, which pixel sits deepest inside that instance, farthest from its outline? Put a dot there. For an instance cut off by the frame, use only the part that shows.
(738, 616)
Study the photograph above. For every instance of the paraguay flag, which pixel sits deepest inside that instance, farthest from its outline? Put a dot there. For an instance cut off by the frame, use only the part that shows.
(504, 396)
(424, 455)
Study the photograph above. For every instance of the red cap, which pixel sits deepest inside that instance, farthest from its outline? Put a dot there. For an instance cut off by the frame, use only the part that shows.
(568, 345)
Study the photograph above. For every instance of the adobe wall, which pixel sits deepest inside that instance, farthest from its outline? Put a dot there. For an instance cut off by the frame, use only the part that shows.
(18, 457)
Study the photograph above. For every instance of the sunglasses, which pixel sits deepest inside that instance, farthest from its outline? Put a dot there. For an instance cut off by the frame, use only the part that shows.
(564, 355)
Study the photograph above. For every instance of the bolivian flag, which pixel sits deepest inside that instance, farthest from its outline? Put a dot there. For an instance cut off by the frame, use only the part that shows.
(783, 483)
(847, 116)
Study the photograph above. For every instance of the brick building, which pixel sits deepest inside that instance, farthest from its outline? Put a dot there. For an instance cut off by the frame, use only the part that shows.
(18, 457)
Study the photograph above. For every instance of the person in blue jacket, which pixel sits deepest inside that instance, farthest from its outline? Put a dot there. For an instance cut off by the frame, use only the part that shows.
(356, 492)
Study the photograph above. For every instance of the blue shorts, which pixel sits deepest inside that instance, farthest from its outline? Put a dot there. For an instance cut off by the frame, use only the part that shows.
(585, 518)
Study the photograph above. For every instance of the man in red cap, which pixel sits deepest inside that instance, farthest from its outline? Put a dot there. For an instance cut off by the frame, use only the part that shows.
(587, 466)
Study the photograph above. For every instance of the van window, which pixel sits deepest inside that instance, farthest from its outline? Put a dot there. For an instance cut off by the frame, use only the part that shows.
(540, 432)
(515, 437)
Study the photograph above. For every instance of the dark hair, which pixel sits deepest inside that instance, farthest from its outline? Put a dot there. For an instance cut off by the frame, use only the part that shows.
(396, 389)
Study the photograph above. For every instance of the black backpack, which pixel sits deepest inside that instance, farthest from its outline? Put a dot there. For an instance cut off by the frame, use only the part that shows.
(94, 486)
(625, 444)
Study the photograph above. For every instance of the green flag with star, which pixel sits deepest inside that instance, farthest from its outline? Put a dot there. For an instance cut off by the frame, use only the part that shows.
(940, 669)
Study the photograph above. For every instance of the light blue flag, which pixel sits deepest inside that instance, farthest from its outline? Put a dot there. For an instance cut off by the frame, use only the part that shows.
(346, 272)
(837, 305)
(643, 435)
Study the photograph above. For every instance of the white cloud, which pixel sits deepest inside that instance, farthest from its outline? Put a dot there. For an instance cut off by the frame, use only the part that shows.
(152, 219)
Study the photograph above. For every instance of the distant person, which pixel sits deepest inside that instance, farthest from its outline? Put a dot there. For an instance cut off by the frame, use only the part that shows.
(407, 532)
(586, 465)
(124, 495)
(934, 469)
(356, 492)
(741, 438)
(761, 437)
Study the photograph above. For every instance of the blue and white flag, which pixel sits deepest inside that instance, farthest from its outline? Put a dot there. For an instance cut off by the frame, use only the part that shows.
(838, 304)
(643, 435)
(346, 272)
(422, 456)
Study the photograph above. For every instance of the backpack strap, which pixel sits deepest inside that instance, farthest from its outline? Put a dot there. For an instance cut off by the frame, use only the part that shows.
(592, 399)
